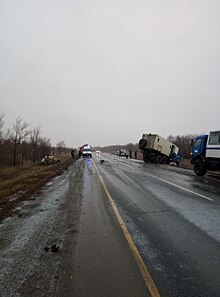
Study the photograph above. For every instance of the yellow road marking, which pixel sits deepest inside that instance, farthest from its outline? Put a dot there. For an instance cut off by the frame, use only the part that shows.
(144, 271)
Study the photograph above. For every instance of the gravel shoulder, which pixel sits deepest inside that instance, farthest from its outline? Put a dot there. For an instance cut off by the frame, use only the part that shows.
(29, 266)
(19, 183)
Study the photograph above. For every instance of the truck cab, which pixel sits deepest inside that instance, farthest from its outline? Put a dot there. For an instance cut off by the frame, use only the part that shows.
(198, 154)
(198, 147)
(206, 153)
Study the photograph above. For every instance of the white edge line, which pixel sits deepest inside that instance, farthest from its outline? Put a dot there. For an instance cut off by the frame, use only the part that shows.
(187, 190)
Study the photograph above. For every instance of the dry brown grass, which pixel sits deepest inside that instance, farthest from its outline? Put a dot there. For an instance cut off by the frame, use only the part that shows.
(185, 163)
(22, 181)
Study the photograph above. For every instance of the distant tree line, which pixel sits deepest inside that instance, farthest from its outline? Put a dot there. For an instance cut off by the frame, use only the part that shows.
(114, 148)
(184, 143)
(20, 144)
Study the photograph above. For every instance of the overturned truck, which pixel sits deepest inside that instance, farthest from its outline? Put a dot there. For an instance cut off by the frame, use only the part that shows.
(157, 149)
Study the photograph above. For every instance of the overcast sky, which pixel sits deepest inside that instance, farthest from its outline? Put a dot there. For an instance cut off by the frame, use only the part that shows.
(105, 71)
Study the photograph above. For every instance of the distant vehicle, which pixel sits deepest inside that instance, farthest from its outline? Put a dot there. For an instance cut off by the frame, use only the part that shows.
(82, 148)
(122, 153)
(157, 149)
(206, 153)
(87, 152)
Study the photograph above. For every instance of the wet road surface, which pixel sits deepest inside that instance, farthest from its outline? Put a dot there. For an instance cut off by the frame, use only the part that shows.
(172, 215)
(104, 263)
(174, 219)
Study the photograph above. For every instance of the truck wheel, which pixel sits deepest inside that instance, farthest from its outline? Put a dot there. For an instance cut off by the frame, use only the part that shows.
(159, 159)
(142, 143)
(146, 157)
(164, 160)
(200, 168)
(153, 159)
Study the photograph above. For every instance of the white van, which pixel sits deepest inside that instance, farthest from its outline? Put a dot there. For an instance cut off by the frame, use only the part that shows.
(87, 152)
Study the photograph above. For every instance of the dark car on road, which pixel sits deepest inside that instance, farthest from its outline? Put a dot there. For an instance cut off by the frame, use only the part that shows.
(122, 153)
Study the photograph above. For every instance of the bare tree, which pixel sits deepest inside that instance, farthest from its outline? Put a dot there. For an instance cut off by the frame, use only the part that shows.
(24, 150)
(2, 115)
(34, 141)
(2, 136)
(44, 146)
(60, 146)
(17, 134)
(183, 142)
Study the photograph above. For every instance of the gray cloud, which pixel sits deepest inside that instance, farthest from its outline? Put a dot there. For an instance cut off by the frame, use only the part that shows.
(104, 72)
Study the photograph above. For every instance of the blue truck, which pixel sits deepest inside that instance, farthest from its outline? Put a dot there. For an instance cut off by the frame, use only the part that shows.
(206, 153)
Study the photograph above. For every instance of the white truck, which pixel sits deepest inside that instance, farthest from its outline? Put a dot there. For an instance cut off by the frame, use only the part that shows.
(206, 153)
(157, 149)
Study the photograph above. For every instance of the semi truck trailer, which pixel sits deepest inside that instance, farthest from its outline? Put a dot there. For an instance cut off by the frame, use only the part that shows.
(206, 153)
(157, 149)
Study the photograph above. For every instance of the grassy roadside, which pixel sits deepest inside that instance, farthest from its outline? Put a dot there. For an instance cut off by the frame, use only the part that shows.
(17, 184)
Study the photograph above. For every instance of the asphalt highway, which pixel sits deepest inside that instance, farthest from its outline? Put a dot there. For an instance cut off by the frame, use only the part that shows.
(121, 228)
(173, 218)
